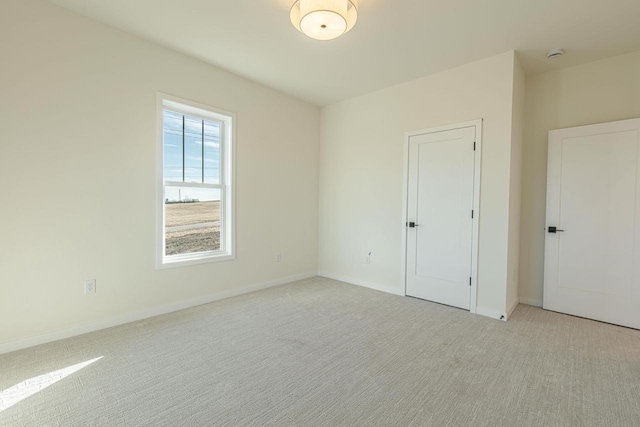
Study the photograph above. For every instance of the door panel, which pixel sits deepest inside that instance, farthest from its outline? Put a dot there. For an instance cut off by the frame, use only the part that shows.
(441, 174)
(598, 206)
(591, 266)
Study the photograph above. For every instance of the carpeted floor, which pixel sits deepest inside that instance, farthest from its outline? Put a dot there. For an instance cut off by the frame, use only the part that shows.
(324, 353)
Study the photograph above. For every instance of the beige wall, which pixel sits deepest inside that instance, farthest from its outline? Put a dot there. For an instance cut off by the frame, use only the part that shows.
(515, 182)
(78, 169)
(361, 173)
(597, 92)
(77, 146)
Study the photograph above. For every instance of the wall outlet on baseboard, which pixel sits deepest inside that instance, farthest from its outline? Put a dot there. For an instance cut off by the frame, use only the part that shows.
(278, 257)
(367, 260)
(90, 286)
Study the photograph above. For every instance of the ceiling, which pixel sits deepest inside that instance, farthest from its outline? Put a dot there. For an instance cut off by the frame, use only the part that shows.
(394, 40)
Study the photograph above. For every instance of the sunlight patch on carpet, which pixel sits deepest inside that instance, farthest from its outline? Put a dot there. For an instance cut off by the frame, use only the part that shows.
(26, 388)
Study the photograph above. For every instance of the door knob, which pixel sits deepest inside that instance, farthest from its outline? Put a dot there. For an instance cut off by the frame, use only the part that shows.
(412, 225)
(555, 230)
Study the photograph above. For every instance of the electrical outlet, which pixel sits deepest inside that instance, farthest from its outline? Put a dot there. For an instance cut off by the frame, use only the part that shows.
(367, 260)
(90, 286)
(278, 257)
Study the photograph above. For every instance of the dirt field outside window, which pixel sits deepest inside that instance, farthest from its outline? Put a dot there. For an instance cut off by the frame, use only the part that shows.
(192, 227)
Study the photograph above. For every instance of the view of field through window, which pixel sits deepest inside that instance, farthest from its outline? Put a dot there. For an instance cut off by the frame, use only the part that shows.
(192, 227)
(191, 212)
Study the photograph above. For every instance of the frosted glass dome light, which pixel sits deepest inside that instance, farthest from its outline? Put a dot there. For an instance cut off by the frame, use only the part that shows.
(324, 19)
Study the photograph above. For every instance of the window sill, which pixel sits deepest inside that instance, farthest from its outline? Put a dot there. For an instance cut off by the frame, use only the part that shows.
(193, 260)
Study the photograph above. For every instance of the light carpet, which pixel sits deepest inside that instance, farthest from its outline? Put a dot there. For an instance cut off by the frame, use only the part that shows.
(324, 353)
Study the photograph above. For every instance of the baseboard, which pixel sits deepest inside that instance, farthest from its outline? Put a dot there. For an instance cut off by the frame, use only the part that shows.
(529, 301)
(144, 314)
(364, 284)
(512, 307)
(491, 313)
(479, 310)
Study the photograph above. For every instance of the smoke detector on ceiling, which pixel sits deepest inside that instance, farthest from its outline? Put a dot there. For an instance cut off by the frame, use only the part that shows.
(555, 53)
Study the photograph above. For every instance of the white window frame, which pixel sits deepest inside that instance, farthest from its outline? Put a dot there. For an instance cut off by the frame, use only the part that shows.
(226, 187)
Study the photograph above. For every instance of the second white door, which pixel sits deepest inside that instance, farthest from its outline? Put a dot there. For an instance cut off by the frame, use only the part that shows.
(592, 256)
(440, 218)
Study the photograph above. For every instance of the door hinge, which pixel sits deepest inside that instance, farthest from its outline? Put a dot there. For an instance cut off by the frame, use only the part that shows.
(471, 213)
(469, 281)
(474, 146)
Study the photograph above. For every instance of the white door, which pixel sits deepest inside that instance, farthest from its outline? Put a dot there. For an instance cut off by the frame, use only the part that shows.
(592, 243)
(440, 202)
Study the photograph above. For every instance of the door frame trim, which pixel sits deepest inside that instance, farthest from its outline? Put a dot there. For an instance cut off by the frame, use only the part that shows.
(477, 124)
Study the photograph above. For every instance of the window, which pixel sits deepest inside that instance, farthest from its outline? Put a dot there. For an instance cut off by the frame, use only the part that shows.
(195, 198)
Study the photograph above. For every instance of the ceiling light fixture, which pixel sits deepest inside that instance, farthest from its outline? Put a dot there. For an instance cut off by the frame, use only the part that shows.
(324, 19)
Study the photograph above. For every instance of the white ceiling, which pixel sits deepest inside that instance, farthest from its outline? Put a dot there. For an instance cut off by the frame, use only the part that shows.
(394, 40)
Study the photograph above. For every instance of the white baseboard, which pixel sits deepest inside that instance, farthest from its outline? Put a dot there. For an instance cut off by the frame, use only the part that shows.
(512, 307)
(364, 284)
(109, 322)
(375, 286)
(491, 313)
(529, 301)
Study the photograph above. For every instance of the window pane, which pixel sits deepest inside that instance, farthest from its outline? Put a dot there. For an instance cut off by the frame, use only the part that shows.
(172, 145)
(192, 220)
(192, 149)
(212, 152)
